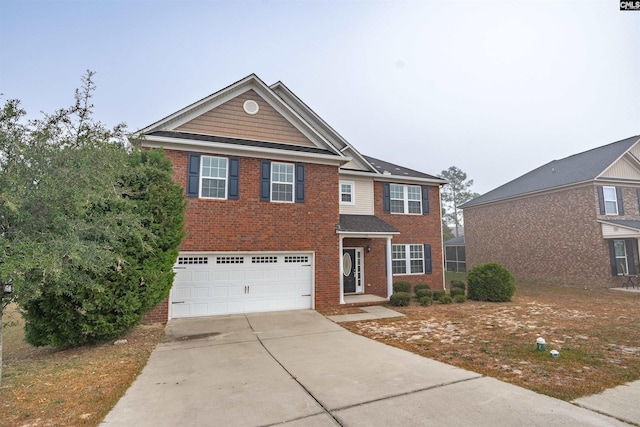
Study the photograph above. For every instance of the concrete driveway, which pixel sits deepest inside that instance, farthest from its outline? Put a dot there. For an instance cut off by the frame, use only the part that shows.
(298, 368)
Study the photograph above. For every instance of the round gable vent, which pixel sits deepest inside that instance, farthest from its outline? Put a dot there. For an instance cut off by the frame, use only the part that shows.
(251, 107)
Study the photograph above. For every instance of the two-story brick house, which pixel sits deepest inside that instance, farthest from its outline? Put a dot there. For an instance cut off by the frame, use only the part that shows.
(574, 221)
(283, 213)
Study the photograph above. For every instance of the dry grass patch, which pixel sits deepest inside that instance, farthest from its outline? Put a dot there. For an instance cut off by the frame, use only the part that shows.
(594, 331)
(78, 386)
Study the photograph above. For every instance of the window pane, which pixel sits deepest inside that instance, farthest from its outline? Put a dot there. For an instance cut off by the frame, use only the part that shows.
(450, 253)
(397, 206)
(346, 192)
(399, 267)
(396, 191)
(281, 172)
(282, 192)
(398, 252)
(214, 188)
(620, 249)
(610, 200)
(416, 266)
(414, 193)
(415, 207)
(214, 167)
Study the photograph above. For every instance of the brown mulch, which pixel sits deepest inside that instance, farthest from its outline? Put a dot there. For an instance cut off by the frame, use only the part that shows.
(594, 331)
(71, 387)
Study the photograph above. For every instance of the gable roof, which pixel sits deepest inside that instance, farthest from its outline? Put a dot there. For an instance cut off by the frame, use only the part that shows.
(578, 168)
(251, 82)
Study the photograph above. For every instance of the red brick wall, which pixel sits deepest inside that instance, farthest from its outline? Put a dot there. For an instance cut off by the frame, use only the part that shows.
(417, 229)
(247, 224)
(551, 238)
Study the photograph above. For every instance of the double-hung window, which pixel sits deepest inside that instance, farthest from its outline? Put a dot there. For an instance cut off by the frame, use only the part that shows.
(282, 182)
(405, 198)
(407, 259)
(346, 193)
(621, 257)
(213, 177)
(610, 200)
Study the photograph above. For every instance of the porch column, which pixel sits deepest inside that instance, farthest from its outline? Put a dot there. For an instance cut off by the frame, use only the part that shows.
(389, 271)
(341, 271)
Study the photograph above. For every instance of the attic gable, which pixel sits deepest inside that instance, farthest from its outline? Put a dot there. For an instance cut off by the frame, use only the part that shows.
(231, 120)
(626, 167)
(222, 114)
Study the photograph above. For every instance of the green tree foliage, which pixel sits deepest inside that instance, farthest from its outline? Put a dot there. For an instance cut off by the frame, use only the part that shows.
(456, 193)
(490, 282)
(89, 226)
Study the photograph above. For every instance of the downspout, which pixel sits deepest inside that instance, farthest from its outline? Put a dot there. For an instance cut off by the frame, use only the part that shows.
(389, 271)
(341, 270)
(444, 280)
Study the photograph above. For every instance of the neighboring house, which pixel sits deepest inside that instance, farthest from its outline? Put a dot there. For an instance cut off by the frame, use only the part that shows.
(455, 259)
(284, 214)
(574, 221)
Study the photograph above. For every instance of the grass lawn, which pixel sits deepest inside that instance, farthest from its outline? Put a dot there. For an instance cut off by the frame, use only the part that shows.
(594, 331)
(78, 386)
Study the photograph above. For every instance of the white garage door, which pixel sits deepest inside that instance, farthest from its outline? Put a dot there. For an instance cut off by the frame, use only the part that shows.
(207, 285)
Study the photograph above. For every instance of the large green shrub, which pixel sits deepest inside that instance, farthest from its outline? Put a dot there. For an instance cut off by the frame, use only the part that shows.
(459, 298)
(72, 311)
(400, 299)
(490, 282)
(402, 287)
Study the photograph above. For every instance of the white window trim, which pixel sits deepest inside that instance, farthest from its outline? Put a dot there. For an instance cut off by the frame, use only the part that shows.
(625, 257)
(202, 178)
(407, 260)
(405, 200)
(293, 183)
(605, 200)
(353, 191)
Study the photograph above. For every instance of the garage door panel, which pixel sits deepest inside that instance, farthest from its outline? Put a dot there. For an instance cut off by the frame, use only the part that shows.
(207, 285)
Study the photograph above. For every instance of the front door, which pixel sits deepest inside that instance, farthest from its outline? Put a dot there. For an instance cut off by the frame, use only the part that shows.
(349, 270)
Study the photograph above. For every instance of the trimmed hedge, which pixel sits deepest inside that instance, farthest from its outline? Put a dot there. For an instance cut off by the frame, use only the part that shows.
(439, 293)
(402, 287)
(400, 299)
(458, 284)
(459, 298)
(455, 292)
(420, 293)
(490, 282)
(420, 286)
(445, 299)
(426, 301)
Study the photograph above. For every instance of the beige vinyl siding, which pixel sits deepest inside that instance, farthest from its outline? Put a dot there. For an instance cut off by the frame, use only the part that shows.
(363, 193)
(230, 119)
(623, 169)
(352, 165)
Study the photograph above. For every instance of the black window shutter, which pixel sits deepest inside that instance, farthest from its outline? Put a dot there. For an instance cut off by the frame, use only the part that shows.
(386, 197)
(638, 193)
(299, 182)
(193, 175)
(612, 257)
(601, 200)
(234, 179)
(630, 256)
(619, 197)
(265, 181)
(427, 259)
(425, 200)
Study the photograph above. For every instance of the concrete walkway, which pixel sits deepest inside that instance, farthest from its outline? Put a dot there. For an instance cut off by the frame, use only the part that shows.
(300, 369)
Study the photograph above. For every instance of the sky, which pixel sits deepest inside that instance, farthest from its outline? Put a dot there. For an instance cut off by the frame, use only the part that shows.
(495, 88)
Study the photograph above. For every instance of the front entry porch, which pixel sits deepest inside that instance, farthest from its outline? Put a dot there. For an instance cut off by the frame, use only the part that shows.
(365, 254)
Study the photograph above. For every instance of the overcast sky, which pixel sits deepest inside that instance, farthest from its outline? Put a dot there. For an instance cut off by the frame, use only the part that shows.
(496, 88)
